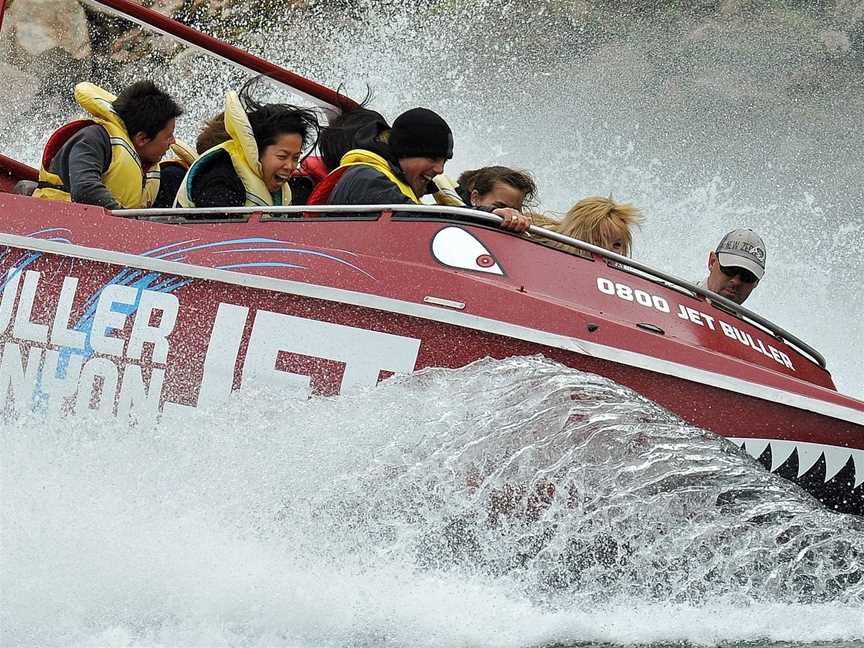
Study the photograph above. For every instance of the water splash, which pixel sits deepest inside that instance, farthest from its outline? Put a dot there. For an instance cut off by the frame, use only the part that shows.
(508, 503)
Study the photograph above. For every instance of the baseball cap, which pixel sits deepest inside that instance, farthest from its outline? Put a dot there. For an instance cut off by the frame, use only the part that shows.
(743, 248)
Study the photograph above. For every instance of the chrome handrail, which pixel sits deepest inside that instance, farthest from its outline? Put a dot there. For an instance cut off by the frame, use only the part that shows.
(492, 219)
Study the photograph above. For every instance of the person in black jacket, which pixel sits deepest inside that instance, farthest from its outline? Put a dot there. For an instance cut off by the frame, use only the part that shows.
(398, 166)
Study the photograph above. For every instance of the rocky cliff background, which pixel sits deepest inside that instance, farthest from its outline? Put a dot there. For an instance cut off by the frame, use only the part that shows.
(47, 42)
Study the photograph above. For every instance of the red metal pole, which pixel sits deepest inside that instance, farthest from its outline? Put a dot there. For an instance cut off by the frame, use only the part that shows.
(147, 17)
(2, 11)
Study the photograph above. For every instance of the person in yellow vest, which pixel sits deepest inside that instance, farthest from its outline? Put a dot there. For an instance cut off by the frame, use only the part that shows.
(252, 168)
(401, 168)
(396, 166)
(112, 158)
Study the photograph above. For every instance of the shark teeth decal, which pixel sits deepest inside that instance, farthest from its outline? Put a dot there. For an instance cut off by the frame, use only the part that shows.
(780, 452)
(755, 447)
(835, 459)
(808, 454)
(858, 458)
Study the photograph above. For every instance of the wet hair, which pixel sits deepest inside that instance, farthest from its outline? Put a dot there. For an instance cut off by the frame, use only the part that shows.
(270, 121)
(355, 127)
(144, 108)
(212, 134)
(483, 181)
(598, 221)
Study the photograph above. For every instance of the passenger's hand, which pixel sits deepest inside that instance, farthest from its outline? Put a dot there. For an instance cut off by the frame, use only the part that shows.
(514, 220)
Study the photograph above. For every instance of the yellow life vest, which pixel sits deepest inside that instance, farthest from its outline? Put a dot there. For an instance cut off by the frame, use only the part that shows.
(183, 153)
(131, 184)
(243, 150)
(356, 157)
(447, 193)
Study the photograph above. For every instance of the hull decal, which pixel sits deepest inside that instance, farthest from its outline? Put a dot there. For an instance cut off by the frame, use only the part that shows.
(457, 248)
(831, 459)
(265, 245)
(433, 313)
(834, 475)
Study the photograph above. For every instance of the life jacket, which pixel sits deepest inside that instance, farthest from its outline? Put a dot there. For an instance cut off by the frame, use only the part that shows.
(312, 167)
(185, 154)
(357, 157)
(305, 178)
(243, 150)
(131, 184)
(447, 193)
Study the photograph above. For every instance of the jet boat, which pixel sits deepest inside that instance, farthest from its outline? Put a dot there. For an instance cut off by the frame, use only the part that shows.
(145, 313)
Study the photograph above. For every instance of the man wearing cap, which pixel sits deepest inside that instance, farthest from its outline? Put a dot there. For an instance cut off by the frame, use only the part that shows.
(736, 266)
(400, 169)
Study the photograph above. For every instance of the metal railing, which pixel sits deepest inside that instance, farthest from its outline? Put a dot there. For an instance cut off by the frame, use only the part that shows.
(179, 216)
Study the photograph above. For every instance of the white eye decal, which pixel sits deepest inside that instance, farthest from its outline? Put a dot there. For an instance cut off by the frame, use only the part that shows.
(455, 247)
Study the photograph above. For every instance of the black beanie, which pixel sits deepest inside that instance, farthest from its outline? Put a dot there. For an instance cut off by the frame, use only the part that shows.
(419, 132)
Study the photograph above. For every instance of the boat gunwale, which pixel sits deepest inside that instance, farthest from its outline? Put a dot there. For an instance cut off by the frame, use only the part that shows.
(460, 214)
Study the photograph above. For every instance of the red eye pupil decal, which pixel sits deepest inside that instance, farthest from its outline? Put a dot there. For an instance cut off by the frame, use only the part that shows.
(485, 261)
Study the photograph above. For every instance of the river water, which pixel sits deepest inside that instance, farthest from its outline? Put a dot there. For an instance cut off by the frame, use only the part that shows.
(509, 503)
(513, 503)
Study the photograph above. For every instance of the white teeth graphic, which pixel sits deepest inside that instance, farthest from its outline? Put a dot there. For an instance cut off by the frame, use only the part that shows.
(808, 454)
(780, 451)
(755, 447)
(858, 459)
(835, 459)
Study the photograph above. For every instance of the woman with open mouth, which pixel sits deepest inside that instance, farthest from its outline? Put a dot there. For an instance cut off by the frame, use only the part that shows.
(254, 166)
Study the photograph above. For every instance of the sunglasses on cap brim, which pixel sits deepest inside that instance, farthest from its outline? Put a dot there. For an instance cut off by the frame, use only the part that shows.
(745, 275)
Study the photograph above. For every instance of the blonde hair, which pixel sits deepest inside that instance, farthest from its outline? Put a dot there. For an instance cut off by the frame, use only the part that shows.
(595, 220)
(543, 220)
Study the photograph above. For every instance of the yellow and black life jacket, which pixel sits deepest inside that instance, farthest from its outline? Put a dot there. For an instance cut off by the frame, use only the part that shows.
(447, 193)
(357, 157)
(243, 150)
(131, 184)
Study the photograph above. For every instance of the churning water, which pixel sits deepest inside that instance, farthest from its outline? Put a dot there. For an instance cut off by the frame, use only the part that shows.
(508, 503)
(513, 503)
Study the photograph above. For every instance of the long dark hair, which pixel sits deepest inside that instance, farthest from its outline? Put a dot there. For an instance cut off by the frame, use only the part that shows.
(355, 127)
(270, 120)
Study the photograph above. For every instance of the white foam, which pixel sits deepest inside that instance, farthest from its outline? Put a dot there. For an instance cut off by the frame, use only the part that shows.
(325, 523)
